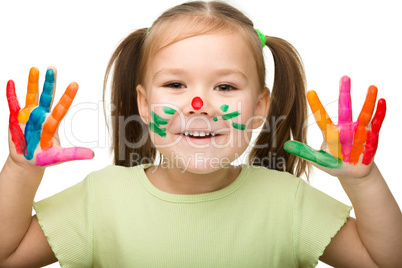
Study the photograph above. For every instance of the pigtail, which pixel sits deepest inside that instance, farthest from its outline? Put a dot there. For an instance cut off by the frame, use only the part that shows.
(287, 114)
(130, 140)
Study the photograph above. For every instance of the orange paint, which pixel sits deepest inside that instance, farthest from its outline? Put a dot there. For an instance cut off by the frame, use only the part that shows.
(53, 121)
(331, 132)
(363, 121)
(31, 101)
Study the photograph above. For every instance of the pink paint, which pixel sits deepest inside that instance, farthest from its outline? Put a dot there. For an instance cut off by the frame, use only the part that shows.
(17, 136)
(58, 155)
(346, 125)
(197, 103)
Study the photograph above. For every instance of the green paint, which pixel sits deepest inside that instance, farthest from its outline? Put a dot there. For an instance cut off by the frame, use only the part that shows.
(159, 120)
(238, 126)
(168, 110)
(224, 108)
(160, 131)
(262, 38)
(320, 157)
(230, 115)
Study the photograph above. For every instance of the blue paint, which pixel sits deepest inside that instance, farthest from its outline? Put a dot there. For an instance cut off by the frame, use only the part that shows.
(33, 128)
(47, 93)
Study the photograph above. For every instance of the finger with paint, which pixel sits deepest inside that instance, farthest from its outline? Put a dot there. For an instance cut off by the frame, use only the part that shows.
(51, 154)
(56, 155)
(17, 136)
(372, 138)
(37, 117)
(320, 157)
(354, 137)
(345, 124)
(330, 131)
(363, 121)
(31, 101)
(52, 122)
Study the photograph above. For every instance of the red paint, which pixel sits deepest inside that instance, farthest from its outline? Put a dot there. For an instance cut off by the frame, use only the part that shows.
(372, 136)
(197, 103)
(17, 136)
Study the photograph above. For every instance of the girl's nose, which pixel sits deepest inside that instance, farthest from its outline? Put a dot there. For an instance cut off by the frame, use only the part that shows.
(197, 103)
(197, 106)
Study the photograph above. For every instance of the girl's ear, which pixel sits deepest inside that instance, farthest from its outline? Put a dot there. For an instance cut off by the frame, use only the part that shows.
(142, 103)
(261, 108)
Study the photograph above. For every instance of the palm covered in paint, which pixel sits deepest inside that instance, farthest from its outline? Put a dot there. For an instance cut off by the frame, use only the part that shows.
(33, 130)
(349, 147)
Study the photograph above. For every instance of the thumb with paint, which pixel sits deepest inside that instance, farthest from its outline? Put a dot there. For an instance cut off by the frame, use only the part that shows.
(33, 138)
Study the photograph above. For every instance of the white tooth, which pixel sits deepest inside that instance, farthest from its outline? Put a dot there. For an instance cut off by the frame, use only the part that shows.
(213, 134)
(206, 133)
(196, 134)
(186, 133)
(191, 133)
(202, 134)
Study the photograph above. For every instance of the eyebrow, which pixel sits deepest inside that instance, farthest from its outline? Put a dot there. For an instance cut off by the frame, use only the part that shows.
(168, 71)
(178, 71)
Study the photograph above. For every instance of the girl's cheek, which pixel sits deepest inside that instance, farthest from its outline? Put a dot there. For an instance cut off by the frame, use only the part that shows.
(232, 113)
(161, 114)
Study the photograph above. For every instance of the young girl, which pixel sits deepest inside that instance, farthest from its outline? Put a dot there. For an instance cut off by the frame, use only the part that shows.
(192, 87)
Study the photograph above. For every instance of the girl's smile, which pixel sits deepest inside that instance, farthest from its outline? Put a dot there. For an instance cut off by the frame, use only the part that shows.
(200, 138)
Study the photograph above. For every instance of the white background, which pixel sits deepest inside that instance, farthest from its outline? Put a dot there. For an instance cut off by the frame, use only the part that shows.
(355, 38)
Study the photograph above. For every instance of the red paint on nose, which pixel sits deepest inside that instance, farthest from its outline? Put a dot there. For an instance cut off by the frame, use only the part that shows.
(197, 103)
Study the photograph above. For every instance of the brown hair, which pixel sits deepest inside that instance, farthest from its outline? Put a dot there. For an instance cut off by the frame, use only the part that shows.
(190, 19)
(287, 106)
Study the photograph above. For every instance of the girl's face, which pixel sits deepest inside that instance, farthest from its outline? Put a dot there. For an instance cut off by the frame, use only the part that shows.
(201, 100)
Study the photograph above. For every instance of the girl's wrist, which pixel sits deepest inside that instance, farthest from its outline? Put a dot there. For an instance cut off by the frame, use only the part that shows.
(361, 183)
(15, 168)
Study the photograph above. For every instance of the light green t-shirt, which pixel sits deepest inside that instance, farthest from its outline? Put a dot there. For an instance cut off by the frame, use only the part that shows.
(116, 217)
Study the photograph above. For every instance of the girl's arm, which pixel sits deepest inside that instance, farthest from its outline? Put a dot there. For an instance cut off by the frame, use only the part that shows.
(374, 239)
(33, 145)
(23, 243)
(379, 219)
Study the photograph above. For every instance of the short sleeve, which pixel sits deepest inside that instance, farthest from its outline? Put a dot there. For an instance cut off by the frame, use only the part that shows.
(66, 220)
(317, 218)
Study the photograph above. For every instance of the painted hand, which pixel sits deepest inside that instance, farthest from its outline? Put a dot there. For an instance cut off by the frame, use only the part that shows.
(349, 146)
(33, 129)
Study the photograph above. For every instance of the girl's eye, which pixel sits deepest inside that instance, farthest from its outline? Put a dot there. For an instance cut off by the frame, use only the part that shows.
(225, 88)
(175, 85)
